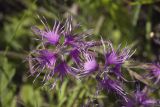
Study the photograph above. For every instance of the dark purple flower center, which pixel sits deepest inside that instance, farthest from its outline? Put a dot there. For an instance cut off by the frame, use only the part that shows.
(47, 58)
(75, 54)
(111, 58)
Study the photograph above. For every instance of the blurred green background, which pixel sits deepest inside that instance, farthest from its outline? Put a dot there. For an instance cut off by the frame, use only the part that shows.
(132, 22)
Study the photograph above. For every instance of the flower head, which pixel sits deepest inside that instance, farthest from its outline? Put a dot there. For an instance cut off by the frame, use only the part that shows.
(118, 57)
(43, 59)
(154, 71)
(46, 58)
(75, 55)
(75, 40)
(62, 69)
(115, 58)
(117, 71)
(90, 63)
(51, 36)
(85, 63)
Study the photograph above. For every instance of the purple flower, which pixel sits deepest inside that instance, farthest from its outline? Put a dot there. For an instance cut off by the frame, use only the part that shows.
(75, 40)
(113, 57)
(75, 55)
(62, 69)
(90, 63)
(46, 58)
(51, 36)
(117, 71)
(112, 86)
(70, 38)
(154, 71)
(140, 99)
(85, 62)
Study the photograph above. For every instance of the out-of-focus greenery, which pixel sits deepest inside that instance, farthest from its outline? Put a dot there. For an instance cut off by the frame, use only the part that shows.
(121, 21)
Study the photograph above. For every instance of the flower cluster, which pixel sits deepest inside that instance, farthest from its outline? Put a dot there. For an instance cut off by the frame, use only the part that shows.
(52, 55)
(63, 52)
